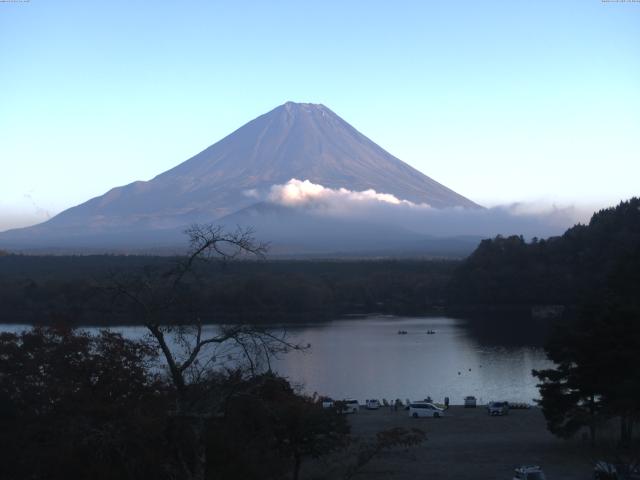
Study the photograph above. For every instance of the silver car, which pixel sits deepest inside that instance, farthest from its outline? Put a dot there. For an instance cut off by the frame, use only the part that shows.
(424, 409)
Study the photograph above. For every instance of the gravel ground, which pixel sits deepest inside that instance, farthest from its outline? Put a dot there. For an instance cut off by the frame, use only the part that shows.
(469, 444)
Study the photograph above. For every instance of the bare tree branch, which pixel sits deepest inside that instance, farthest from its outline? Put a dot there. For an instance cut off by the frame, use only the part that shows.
(159, 297)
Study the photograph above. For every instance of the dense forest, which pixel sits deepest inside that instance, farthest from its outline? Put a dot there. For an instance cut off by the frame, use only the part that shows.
(504, 272)
(560, 270)
(78, 289)
(595, 345)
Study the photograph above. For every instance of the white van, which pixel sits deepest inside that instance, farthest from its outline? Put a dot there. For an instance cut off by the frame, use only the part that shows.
(424, 409)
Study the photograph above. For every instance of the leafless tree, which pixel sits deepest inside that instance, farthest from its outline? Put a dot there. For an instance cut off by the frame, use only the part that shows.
(189, 349)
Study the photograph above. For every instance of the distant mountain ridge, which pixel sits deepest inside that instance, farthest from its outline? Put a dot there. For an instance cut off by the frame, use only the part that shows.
(296, 232)
(295, 140)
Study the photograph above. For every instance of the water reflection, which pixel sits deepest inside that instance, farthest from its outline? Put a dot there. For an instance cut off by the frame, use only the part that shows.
(367, 358)
(364, 358)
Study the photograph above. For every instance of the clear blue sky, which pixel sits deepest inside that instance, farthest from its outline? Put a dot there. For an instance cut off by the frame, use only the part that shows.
(502, 101)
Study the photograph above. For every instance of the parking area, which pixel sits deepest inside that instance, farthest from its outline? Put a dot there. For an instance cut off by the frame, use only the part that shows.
(467, 443)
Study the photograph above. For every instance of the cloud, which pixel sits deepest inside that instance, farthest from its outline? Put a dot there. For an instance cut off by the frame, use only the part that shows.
(305, 193)
(528, 219)
(251, 193)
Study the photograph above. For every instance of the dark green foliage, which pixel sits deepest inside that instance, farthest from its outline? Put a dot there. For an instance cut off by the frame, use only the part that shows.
(596, 355)
(71, 289)
(268, 430)
(571, 393)
(76, 406)
(89, 407)
(560, 270)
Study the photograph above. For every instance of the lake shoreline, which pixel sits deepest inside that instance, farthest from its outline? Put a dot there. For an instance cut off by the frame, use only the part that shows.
(365, 357)
(470, 313)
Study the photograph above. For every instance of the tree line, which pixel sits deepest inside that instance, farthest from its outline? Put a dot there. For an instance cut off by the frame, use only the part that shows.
(72, 289)
(560, 270)
(595, 348)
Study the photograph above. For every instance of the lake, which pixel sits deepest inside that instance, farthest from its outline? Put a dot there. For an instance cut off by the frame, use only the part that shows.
(366, 358)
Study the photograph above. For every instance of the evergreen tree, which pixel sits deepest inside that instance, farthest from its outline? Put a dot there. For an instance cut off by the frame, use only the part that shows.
(596, 375)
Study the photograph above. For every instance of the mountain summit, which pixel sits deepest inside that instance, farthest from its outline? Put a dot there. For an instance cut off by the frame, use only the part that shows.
(295, 140)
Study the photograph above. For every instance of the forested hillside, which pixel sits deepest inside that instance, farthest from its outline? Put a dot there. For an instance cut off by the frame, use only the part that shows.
(559, 270)
(504, 271)
(78, 289)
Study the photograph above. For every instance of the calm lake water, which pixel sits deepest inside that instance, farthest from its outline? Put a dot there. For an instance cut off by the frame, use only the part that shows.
(366, 358)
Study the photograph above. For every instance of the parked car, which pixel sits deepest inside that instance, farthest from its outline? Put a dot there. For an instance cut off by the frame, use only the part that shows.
(350, 406)
(529, 472)
(615, 471)
(498, 408)
(424, 409)
(470, 402)
(372, 404)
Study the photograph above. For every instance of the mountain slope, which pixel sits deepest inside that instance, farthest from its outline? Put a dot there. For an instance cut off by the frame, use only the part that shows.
(300, 231)
(305, 141)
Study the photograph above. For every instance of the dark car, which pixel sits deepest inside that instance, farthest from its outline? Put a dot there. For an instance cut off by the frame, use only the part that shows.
(529, 472)
(498, 408)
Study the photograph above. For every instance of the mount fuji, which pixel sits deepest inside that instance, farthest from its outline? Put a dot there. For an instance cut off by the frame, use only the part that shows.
(293, 141)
